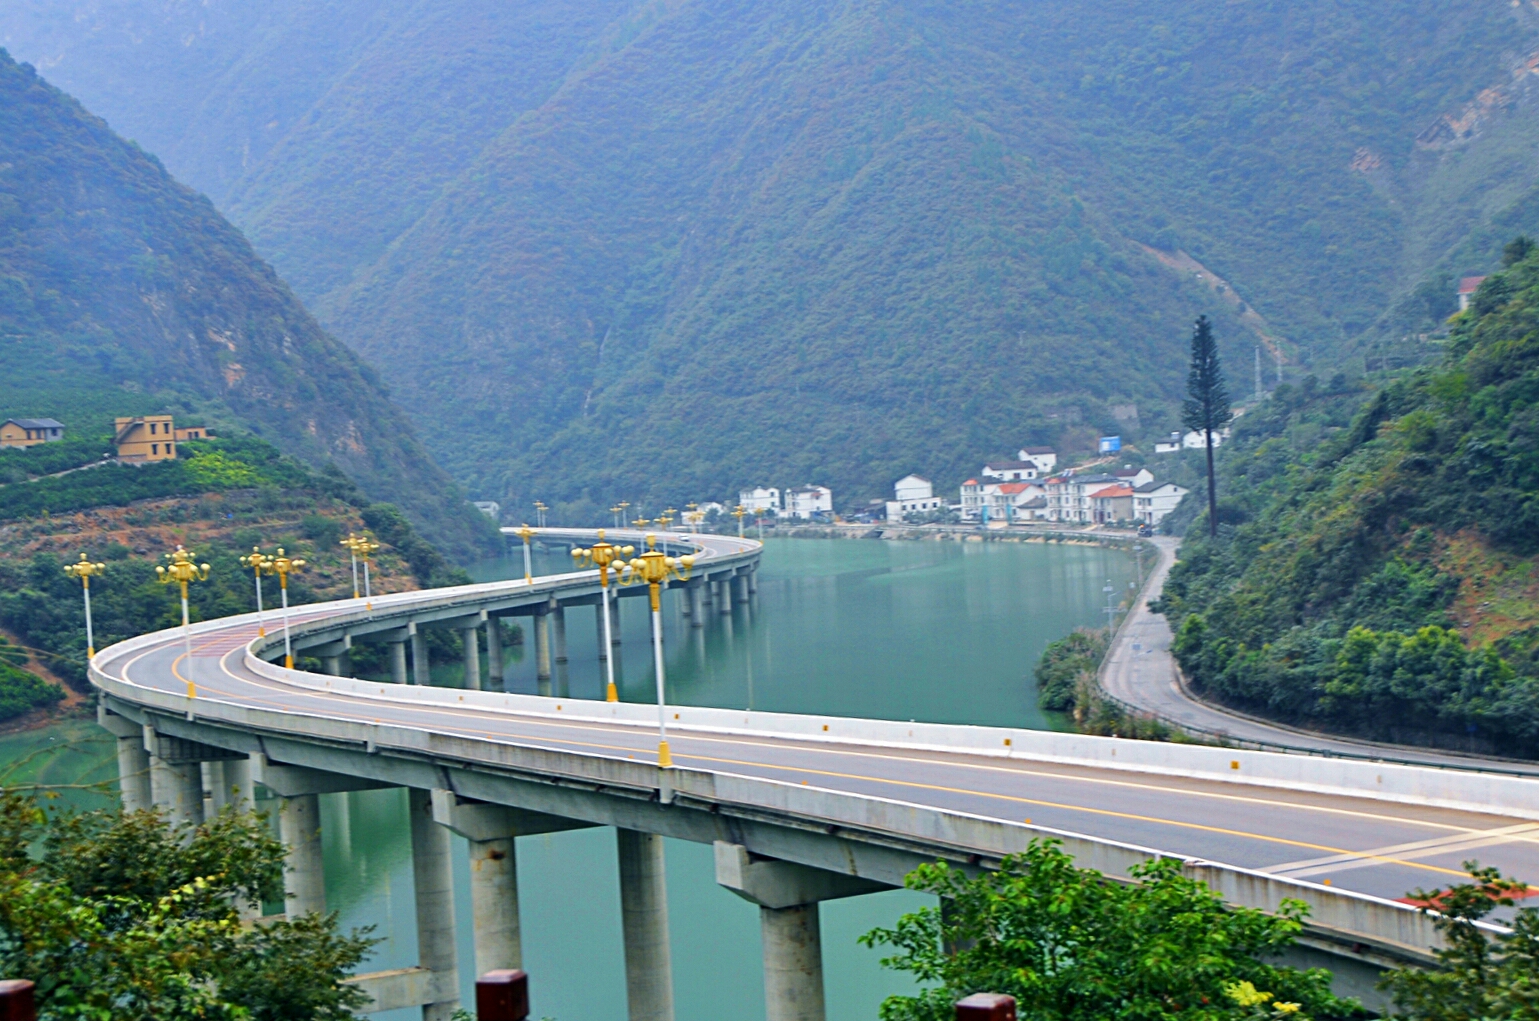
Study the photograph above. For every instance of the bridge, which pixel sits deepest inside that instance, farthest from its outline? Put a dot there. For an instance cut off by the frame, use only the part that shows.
(800, 808)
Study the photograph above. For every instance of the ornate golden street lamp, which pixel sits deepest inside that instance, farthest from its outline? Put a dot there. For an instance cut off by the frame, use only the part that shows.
(182, 570)
(616, 511)
(666, 518)
(539, 511)
(526, 533)
(601, 555)
(351, 542)
(364, 548)
(259, 563)
(283, 566)
(85, 570)
(740, 513)
(622, 506)
(654, 568)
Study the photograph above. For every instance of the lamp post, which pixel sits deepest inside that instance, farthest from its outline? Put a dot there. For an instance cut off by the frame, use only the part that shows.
(666, 518)
(615, 513)
(351, 542)
(365, 548)
(85, 570)
(739, 513)
(260, 564)
(654, 568)
(622, 506)
(539, 511)
(601, 554)
(283, 566)
(526, 533)
(182, 570)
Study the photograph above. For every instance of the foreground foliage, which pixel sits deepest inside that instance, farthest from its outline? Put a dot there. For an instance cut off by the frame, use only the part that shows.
(1377, 578)
(1481, 976)
(123, 916)
(1071, 946)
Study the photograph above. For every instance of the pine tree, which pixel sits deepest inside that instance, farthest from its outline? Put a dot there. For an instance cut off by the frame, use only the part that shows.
(1206, 408)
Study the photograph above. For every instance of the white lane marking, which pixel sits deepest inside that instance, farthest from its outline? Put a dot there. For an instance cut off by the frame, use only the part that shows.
(1467, 841)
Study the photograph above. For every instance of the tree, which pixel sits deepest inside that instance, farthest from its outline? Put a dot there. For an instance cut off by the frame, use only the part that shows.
(1206, 408)
(1480, 977)
(1070, 945)
(121, 915)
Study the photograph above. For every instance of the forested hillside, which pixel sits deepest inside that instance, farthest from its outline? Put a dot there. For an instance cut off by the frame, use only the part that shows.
(638, 248)
(123, 292)
(1375, 571)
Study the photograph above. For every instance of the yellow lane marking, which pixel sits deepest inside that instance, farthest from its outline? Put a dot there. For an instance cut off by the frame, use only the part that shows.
(1522, 833)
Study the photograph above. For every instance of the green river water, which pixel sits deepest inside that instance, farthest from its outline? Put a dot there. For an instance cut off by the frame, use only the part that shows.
(935, 631)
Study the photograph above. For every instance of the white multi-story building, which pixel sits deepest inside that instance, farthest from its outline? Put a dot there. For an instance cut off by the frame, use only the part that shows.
(1002, 501)
(1196, 439)
(760, 498)
(1011, 471)
(913, 494)
(1153, 501)
(807, 501)
(1169, 445)
(1045, 458)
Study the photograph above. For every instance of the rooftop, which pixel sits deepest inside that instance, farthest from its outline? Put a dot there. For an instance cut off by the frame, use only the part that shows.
(36, 423)
(1112, 492)
(1010, 464)
(1469, 285)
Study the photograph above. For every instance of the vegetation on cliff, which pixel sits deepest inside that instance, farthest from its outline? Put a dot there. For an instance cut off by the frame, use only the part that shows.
(1379, 578)
(123, 292)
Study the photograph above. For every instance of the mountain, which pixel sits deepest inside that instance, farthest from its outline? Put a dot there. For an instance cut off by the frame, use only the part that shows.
(1378, 567)
(662, 249)
(123, 292)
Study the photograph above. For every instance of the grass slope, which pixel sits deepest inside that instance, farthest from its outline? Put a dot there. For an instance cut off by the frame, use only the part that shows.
(123, 292)
(1381, 578)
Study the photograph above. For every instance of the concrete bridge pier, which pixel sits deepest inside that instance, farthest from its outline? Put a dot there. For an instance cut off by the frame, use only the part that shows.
(299, 827)
(494, 667)
(491, 831)
(398, 661)
(753, 580)
(176, 779)
(614, 618)
(433, 883)
(421, 670)
(468, 633)
(644, 921)
(133, 760)
(598, 627)
(332, 665)
(740, 587)
(724, 597)
(788, 895)
(558, 629)
(696, 603)
(541, 624)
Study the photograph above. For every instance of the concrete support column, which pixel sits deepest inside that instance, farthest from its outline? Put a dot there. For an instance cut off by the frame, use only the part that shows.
(332, 665)
(541, 625)
(494, 667)
(217, 795)
(299, 826)
(753, 580)
(177, 790)
(614, 616)
(696, 592)
(237, 779)
(558, 630)
(421, 670)
(724, 594)
(793, 963)
(494, 904)
(740, 587)
(398, 662)
(433, 882)
(644, 919)
(472, 657)
(134, 773)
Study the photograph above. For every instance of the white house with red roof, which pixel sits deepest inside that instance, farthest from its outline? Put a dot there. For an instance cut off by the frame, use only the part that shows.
(1111, 504)
(1467, 288)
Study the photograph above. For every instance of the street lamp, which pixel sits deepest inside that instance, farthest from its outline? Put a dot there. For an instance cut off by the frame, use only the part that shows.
(526, 533)
(615, 512)
(621, 507)
(365, 548)
(351, 542)
(85, 570)
(739, 513)
(539, 510)
(666, 518)
(601, 554)
(283, 566)
(182, 570)
(654, 568)
(260, 564)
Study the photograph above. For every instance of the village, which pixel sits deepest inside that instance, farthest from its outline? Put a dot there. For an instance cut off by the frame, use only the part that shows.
(1029, 488)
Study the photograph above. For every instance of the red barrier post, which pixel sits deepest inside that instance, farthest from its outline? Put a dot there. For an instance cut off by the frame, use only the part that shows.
(986, 1007)
(502, 995)
(16, 1000)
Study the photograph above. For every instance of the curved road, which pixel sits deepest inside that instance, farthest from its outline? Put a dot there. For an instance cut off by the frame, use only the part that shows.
(1140, 672)
(1374, 847)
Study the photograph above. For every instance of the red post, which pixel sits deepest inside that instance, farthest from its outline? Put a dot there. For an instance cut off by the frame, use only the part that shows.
(16, 1000)
(503, 996)
(986, 1007)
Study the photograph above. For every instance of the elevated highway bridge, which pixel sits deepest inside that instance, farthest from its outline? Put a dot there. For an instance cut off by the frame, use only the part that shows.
(800, 808)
